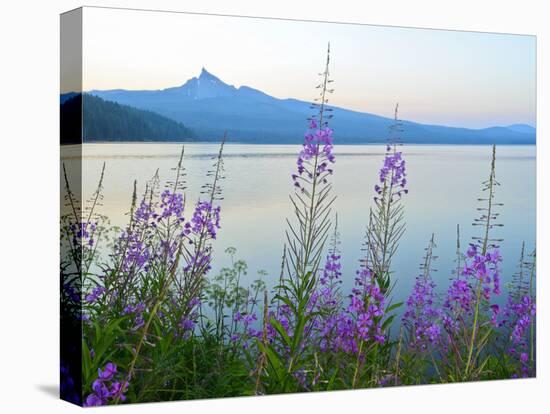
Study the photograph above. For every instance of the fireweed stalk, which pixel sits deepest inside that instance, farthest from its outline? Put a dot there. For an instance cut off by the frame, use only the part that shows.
(306, 239)
(387, 225)
(84, 229)
(519, 317)
(327, 298)
(469, 316)
(328, 322)
(370, 302)
(197, 252)
(422, 316)
(478, 267)
(421, 324)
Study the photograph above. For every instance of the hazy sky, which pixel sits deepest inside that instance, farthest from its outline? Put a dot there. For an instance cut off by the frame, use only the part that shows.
(440, 77)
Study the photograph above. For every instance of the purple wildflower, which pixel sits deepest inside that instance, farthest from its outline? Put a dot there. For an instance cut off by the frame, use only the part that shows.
(392, 175)
(362, 320)
(172, 204)
(83, 233)
(469, 299)
(479, 270)
(108, 372)
(316, 155)
(519, 314)
(95, 294)
(199, 261)
(205, 219)
(421, 316)
(105, 388)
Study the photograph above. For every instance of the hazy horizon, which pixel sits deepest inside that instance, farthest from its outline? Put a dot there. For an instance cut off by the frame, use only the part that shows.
(466, 79)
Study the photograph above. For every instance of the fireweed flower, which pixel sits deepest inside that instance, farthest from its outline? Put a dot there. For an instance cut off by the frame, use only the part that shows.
(172, 205)
(138, 308)
(135, 244)
(338, 328)
(137, 312)
(83, 233)
(421, 316)
(189, 320)
(316, 155)
(107, 373)
(199, 260)
(187, 324)
(479, 270)
(459, 298)
(362, 319)
(386, 221)
(326, 301)
(95, 294)
(201, 229)
(105, 388)
(484, 268)
(248, 332)
(134, 250)
(71, 292)
(332, 270)
(519, 314)
(205, 219)
(392, 175)
(314, 165)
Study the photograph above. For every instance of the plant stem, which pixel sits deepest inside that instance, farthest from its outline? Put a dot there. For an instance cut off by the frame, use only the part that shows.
(483, 252)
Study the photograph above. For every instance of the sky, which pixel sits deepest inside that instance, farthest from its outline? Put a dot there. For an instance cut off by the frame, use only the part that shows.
(453, 78)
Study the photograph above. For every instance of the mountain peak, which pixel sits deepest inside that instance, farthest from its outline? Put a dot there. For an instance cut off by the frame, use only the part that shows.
(205, 75)
(206, 85)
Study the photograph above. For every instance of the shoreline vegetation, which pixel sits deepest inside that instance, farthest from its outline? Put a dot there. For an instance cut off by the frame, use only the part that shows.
(114, 122)
(156, 325)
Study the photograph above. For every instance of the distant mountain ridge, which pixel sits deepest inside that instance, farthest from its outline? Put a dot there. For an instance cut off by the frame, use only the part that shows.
(526, 129)
(209, 107)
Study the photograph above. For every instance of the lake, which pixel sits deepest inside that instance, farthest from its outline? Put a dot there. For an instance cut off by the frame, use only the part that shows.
(444, 184)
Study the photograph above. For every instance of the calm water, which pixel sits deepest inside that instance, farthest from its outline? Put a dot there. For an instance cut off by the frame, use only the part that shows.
(444, 183)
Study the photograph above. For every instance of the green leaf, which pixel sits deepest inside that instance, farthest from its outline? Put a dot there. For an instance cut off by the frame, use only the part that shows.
(281, 330)
(273, 359)
(394, 306)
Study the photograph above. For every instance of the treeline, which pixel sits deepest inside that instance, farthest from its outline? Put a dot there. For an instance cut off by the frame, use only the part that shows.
(104, 120)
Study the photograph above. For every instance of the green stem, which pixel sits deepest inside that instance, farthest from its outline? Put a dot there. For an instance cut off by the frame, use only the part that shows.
(357, 364)
(483, 252)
